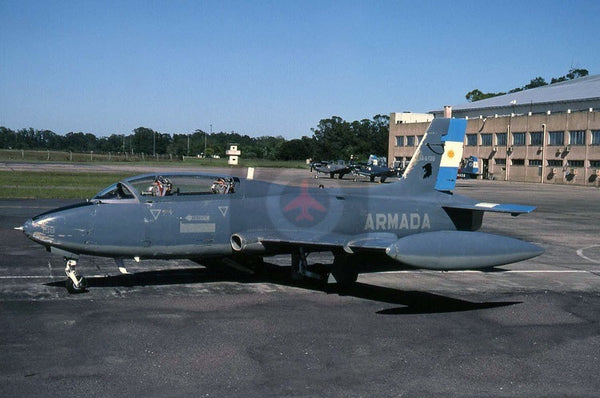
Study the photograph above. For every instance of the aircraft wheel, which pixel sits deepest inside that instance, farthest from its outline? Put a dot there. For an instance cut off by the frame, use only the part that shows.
(340, 176)
(296, 275)
(331, 175)
(345, 271)
(372, 178)
(71, 288)
(382, 179)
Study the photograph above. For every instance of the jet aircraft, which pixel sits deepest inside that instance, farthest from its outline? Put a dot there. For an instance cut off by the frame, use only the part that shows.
(417, 222)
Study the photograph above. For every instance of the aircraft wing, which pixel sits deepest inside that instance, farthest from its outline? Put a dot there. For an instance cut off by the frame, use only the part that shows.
(437, 250)
(513, 209)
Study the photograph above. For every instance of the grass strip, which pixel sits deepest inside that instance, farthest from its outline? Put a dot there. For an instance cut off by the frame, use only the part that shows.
(54, 185)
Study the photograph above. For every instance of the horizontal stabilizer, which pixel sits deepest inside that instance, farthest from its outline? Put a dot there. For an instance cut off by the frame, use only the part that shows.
(457, 250)
(513, 209)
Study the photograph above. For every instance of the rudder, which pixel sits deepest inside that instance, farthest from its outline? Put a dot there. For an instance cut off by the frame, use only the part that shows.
(436, 160)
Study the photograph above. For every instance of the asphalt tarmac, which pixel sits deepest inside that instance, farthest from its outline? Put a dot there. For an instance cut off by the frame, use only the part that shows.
(174, 328)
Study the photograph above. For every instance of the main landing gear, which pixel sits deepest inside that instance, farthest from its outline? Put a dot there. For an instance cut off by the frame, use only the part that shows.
(75, 282)
(301, 269)
(345, 269)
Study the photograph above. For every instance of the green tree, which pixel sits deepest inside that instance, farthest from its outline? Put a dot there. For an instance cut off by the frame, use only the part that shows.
(80, 142)
(336, 138)
(573, 74)
(477, 95)
(143, 140)
(297, 149)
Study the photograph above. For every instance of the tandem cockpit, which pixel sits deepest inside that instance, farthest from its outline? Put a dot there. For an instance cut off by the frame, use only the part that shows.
(150, 187)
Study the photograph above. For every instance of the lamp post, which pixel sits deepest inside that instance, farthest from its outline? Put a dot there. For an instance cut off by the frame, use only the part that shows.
(205, 140)
(543, 150)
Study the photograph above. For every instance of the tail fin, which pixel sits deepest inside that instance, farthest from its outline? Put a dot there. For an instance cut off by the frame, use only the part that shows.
(436, 160)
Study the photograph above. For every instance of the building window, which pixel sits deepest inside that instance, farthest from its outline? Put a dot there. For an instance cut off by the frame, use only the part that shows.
(518, 139)
(399, 140)
(537, 138)
(471, 139)
(595, 137)
(555, 163)
(500, 162)
(501, 139)
(419, 139)
(577, 137)
(518, 162)
(575, 163)
(594, 163)
(556, 138)
(535, 162)
(410, 140)
(486, 140)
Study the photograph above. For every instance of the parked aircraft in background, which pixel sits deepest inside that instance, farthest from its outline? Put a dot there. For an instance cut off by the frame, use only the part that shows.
(376, 167)
(340, 167)
(416, 222)
(469, 168)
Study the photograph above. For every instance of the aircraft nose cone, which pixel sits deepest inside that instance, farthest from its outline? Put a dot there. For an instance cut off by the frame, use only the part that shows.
(35, 232)
(27, 228)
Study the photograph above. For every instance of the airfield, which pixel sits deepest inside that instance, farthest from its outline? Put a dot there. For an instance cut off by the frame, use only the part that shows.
(174, 328)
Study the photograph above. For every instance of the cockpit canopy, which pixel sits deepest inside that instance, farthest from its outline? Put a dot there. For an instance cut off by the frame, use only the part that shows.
(168, 185)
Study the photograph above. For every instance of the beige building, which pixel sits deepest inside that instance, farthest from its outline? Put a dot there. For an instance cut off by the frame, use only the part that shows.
(561, 145)
(548, 148)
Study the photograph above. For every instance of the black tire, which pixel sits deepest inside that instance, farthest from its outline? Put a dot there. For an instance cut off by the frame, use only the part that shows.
(76, 290)
(345, 271)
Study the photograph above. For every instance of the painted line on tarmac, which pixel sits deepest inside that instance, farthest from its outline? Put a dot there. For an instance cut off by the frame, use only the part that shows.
(536, 271)
(580, 254)
(44, 276)
(25, 277)
(25, 207)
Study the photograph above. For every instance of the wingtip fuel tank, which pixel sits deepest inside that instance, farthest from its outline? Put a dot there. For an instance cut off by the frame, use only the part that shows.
(456, 250)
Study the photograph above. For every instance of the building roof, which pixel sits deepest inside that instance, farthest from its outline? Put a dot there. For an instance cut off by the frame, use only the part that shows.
(581, 89)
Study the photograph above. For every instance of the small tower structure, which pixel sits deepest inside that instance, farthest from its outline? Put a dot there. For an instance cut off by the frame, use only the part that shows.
(234, 153)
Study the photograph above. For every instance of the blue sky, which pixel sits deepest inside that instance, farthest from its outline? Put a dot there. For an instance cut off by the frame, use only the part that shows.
(272, 67)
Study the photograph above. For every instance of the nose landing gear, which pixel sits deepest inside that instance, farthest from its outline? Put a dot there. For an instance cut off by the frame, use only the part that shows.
(75, 282)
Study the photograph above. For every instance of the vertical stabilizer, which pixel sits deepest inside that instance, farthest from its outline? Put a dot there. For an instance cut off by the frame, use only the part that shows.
(436, 160)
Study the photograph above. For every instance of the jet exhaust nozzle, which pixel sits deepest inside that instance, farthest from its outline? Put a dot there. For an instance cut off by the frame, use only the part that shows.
(246, 244)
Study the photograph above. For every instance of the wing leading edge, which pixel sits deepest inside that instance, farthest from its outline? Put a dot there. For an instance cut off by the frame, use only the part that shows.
(512, 209)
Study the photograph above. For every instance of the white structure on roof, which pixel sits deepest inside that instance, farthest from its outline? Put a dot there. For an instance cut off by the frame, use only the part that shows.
(410, 117)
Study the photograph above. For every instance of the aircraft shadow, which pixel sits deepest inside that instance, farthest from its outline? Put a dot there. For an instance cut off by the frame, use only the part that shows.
(411, 302)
